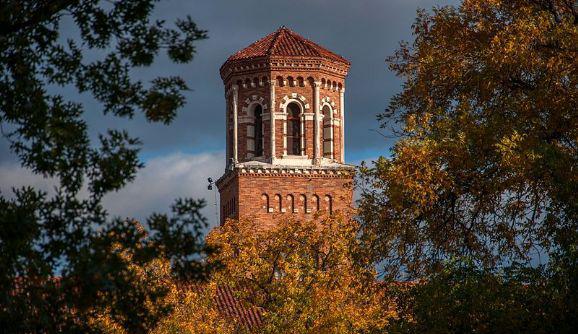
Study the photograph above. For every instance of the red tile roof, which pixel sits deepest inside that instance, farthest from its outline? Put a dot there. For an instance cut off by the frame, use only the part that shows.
(287, 43)
(230, 306)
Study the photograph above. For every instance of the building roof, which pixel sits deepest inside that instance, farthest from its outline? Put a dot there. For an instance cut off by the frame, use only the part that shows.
(285, 43)
(229, 306)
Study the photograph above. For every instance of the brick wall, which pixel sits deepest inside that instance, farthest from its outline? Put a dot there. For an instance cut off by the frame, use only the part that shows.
(258, 195)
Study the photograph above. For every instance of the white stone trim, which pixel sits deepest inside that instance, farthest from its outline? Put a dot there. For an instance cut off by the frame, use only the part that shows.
(245, 119)
(342, 118)
(235, 102)
(272, 113)
(280, 115)
(250, 102)
(300, 99)
(309, 116)
(316, 128)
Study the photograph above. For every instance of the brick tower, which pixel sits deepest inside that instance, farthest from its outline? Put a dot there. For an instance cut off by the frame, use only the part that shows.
(284, 121)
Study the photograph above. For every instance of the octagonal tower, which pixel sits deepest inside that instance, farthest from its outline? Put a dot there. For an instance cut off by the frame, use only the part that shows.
(284, 129)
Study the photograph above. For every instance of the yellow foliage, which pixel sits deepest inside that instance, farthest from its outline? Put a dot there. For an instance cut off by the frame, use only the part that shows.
(307, 276)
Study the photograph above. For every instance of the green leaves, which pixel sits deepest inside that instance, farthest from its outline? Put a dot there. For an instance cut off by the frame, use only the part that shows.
(163, 99)
(179, 237)
(69, 235)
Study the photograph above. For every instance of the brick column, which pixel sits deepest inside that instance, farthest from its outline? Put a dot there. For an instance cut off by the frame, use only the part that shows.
(235, 125)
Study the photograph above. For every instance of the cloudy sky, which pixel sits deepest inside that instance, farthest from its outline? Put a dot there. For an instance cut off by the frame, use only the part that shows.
(180, 157)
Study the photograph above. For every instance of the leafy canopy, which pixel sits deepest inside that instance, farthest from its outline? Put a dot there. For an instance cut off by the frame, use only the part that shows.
(57, 251)
(486, 163)
(305, 276)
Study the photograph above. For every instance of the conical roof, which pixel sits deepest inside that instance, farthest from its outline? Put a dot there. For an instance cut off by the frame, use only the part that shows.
(285, 43)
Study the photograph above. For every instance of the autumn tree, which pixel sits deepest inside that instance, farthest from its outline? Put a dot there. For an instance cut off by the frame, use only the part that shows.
(486, 162)
(171, 304)
(56, 262)
(306, 276)
(481, 184)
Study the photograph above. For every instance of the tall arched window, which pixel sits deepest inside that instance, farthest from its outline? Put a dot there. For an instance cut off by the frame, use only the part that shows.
(293, 129)
(258, 112)
(303, 200)
(327, 132)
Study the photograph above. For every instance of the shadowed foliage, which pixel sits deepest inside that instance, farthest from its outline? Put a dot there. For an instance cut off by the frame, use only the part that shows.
(63, 258)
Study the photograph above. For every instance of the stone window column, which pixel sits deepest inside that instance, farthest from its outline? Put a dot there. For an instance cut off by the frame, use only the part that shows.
(272, 111)
(235, 123)
(342, 114)
(317, 129)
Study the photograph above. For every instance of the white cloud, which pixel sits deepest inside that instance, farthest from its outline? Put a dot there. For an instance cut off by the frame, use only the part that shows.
(156, 186)
(166, 178)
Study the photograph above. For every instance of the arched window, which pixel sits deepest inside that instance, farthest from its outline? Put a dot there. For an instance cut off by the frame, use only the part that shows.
(265, 199)
(329, 204)
(258, 112)
(327, 132)
(316, 203)
(279, 202)
(291, 203)
(293, 129)
(303, 200)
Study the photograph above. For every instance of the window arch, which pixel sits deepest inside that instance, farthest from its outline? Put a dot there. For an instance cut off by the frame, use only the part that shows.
(265, 199)
(303, 200)
(293, 129)
(327, 132)
(291, 203)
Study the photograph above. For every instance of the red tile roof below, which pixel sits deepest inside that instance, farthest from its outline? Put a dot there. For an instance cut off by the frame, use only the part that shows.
(287, 43)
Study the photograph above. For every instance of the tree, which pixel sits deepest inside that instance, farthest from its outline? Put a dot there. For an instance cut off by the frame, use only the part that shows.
(464, 298)
(306, 276)
(57, 262)
(171, 305)
(485, 165)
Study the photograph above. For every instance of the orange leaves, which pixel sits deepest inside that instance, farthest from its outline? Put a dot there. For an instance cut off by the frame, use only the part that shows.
(488, 151)
(307, 276)
(415, 173)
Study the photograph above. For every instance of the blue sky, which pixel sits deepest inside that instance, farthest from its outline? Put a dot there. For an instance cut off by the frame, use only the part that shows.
(181, 156)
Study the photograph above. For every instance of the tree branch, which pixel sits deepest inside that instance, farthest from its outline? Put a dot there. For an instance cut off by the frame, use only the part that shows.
(43, 13)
